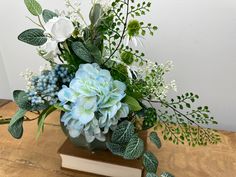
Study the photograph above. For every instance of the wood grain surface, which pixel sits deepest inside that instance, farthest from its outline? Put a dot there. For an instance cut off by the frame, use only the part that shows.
(30, 158)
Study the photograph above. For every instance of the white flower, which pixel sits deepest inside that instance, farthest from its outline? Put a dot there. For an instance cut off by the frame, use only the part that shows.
(50, 49)
(59, 28)
(132, 72)
(135, 40)
(173, 85)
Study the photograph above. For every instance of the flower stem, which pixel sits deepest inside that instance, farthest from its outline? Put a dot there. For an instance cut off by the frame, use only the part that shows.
(122, 35)
(40, 22)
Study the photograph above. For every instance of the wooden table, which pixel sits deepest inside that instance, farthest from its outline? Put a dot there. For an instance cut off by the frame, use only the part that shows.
(30, 158)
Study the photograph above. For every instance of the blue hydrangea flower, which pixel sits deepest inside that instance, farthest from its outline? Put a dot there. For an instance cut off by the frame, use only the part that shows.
(93, 103)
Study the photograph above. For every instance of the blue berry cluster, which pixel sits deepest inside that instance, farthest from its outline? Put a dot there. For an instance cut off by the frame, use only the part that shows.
(44, 87)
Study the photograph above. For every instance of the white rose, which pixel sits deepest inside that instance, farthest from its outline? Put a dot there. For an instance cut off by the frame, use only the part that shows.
(50, 48)
(60, 28)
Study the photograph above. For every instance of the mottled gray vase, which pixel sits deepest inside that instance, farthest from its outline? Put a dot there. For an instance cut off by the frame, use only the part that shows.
(81, 141)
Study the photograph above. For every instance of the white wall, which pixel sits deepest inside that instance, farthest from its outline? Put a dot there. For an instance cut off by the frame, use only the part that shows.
(198, 35)
(4, 85)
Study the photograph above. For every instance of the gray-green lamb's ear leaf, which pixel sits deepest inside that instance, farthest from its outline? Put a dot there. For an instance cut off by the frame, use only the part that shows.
(150, 162)
(15, 127)
(48, 15)
(167, 174)
(151, 175)
(133, 103)
(95, 52)
(116, 149)
(34, 7)
(123, 133)
(33, 37)
(82, 52)
(155, 139)
(95, 14)
(21, 99)
(134, 148)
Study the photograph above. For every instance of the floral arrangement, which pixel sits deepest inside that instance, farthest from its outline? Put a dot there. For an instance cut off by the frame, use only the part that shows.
(104, 85)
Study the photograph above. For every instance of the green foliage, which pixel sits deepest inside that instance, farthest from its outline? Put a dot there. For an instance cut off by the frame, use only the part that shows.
(133, 28)
(149, 118)
(154, 85)
(116, 149)
(48, 14)
(33, 37)
(140, 9)
(123, 133)
(151, 175)
(137, 55)
(167, 174)
(94, 51)
(181, 126)
(34, 7)
(184, 101)
(42, 118)
(135, 148)
(150, 162)
(132, 103)
(125, 143)
(15, 127)
(147, 27)
(119, 72)
(59, 107)
(95, 14)
(87, 52)
(82, 52)
(21, 99)
(127, 57)
(4, 120)
(134, 89)
(68, 55)
(155, 139)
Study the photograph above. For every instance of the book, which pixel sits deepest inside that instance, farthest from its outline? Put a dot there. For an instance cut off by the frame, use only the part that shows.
(101, 162)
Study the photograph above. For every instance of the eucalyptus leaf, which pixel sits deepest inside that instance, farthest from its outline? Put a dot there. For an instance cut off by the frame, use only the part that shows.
(134, 148)
(155, 139)
(48, 15)
(123, 133)
(116, 149)
(21, 99)
(34, 7)
(33, 37)
(133, 103)
(150, 162)
(82, 52)
(15, 127)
